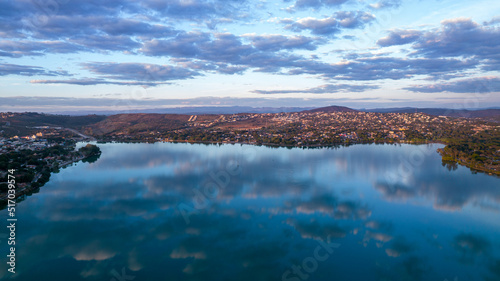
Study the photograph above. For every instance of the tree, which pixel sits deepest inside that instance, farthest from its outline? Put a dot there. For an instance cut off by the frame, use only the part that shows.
(90, 150)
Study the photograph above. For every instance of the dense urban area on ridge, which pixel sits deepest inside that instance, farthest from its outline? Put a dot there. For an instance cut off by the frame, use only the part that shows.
(38, 144)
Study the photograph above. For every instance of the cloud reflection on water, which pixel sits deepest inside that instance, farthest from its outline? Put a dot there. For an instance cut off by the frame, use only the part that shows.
(99, 216)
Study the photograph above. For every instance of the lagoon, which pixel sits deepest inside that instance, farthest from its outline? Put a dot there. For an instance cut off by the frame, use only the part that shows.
(168, 211)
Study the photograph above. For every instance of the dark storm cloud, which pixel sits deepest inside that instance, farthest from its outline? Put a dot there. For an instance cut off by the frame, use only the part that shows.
(331, 25)
(323, 89)
(470, 85)
(26, 70)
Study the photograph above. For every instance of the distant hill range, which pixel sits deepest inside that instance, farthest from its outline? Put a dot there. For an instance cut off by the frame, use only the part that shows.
(194, 110)
(489, 114)
(332, 108)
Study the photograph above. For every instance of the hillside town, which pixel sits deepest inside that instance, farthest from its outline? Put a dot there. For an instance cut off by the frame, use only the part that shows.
(319, 128)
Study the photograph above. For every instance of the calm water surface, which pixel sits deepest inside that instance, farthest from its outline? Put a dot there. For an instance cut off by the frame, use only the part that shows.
(196, 212)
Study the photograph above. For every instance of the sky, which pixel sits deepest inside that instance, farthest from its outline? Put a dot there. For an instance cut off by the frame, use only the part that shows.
(60, 55)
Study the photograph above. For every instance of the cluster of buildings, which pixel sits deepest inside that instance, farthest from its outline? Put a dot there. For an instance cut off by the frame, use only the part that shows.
(332, 127)
(16, 143)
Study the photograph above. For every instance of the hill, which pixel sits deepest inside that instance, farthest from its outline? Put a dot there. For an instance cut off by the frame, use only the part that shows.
(137, 122)
(22, 124)
(332, 108)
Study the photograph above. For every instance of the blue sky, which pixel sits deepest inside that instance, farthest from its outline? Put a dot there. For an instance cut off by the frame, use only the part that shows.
(122, 54)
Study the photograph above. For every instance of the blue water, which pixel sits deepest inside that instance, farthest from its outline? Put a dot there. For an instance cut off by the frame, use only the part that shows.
(207, 212)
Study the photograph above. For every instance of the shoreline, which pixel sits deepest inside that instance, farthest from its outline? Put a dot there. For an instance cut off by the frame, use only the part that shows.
(459, 162)
(26, 190)
(29, 188)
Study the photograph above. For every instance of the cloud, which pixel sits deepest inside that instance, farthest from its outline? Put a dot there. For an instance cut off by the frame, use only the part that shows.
(102, 26)
(470, 85)
(456, 38)
(194, 10)
(139, 71)
(399, 37)
(38, 48)
(106, 43)
(386, 4)
(460, 37)
(276, 42)
(375, 68)
(323, 89)
(147, 28)
(95, 81)
(197, 10)
(493, 21)
(331, 25)
(301, 4)
(225, 51)
(26, 70)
